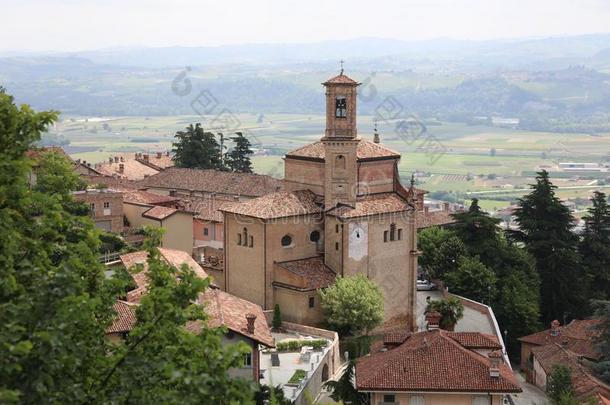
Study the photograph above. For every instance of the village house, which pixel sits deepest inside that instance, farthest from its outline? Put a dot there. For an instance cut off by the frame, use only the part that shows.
(245, 321)
(343, 212)
(436, 367)
(105, 207)
(568, 345)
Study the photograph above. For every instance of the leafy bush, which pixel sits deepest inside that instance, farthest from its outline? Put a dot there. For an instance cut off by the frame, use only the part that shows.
(296, 345)
(297, 377)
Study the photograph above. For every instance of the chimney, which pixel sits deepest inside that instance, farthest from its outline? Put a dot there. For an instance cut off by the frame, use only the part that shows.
(122, 159)
(433, 318)
(426, 209)
(167, 153)
(236, 198)
(145, 156)
(495, 359)
(110, 160)
(159, 154)
(555, 330)
(446, 206)
(376, 138)
(116, 159)
(250, 318)
(121, 168)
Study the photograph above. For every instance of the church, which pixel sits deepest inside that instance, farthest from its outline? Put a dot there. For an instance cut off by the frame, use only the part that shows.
(343, 211)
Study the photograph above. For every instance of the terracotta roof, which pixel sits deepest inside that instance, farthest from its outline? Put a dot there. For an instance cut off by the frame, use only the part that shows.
(109, 181)
(579, 336)
(213, 181)
(433, 218)
(172, 257)
(341, 79)
(207, 208)
(230, 311)
(310, 273)
(365, 150)
(373, 204)
(159, 163)
(475, 340)
(132, 169)
(125, 318)
(431, 361)
(277, 205)
(144, 197)
(158, 212)
(584, 383)
(37, 152)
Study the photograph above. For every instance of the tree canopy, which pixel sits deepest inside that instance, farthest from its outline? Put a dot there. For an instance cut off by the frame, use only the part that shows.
(238, 158)
(197, 149)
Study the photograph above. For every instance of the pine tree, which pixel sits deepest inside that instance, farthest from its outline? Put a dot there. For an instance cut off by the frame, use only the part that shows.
(238, 159)
(197, 149)
(595, 247)
(545, 227)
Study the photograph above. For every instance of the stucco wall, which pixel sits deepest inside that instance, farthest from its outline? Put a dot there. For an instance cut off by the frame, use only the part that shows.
(178, 232)
(376, 177)
(438, 399)
(294, 306)
(303, 174)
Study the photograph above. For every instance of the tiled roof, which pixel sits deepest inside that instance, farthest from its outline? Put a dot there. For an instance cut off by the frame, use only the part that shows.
(227, 310)
(373, 204)
(173, 257)
(578, 336)
(431, 361)
(109, 181)
(365, 150)
(207, 208)
(312, 273)
(125, 318)
(584, 383)
(213, 181)
(475, 340)
(132, 169)
(433, 218)
(341, 79)
(277, 205)
(159, 163)
(159, 212)
(144, 197)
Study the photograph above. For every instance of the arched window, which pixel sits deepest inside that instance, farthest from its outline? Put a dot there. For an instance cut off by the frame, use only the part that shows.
(314, 236)
(245, 236)
(286, 240)
(393, 232)
(340, 107)
(340, 162)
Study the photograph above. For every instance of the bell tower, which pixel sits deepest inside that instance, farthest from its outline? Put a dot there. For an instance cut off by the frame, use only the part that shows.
(340, 141)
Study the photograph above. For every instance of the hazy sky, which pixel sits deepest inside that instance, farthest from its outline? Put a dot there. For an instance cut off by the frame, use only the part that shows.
(44, 25)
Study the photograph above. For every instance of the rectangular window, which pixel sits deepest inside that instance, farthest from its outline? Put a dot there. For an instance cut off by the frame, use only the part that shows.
(417, 400)
(251, 241)
(336, 245)
(337, 228)
(92, 207)
(106, 205)
(340, 107)
(239, 239)
(389, 398)
(385, 236)
(248, 360)
(312, 302)
(205, 231)
(400, 234)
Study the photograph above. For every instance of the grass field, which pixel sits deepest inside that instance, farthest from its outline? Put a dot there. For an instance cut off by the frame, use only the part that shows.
(470, 153)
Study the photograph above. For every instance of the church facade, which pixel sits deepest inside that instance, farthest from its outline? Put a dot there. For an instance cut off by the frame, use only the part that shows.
(343, 211)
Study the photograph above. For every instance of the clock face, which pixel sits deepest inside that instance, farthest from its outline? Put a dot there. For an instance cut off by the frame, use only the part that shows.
(357, 233)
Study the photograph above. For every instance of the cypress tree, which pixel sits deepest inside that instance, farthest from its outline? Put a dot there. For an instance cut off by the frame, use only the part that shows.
(238, 159)
(595, 247)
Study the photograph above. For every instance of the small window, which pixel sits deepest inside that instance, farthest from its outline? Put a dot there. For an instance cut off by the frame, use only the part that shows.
(337, 228)
(239, 239)
(314, 236)
(400, 234)
(385, 236)
(92, 207)
(286, 241)
(106, 205)
(340, 162)
(417, 400)
(336, 245)
(312, 302)
(389, 398)
(340, 107)
(392, 232)
(248, 360)
(251, 241)
(205, 231)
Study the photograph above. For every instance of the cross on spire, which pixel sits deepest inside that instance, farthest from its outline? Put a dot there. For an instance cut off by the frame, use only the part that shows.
(341, 61)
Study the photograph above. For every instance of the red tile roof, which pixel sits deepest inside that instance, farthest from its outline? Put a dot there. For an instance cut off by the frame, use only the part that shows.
(155, 162)
(365, 150)
(475, 340)
(579, 336)
(277, 205)
(373, 204)
(158, 212)
(144, 197)
(213, 181)
(125, 318)
(132, 169)
(341, 79)
(230, 311)
(207, 208)
(310, 273)
(584, 383)
(433, 218)
(431, 361)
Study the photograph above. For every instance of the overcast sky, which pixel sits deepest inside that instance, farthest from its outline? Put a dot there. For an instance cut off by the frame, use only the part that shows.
(58, 25)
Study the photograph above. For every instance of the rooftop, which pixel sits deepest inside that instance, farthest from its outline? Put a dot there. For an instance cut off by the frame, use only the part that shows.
(213, 181)
(277, 205)
(158, 212)
(373, 204)
(578, 336)
(131, 169)
(366, 150)
(433, 218)
(431, 361)
(125, 319)
(207, 208)
(341, 79)
(310, 273)
(144, 197)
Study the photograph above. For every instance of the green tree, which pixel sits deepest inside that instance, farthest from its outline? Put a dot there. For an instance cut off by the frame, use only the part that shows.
(353, 304)
(343, 389)
(473, 280)
(55, 174)
(270, 395)
(451, 310)
(559, 383)
(277, 317)
(545, 227)
(196, 149)
(441, 251)
(595, 246)
(238, 159)
(602, 312)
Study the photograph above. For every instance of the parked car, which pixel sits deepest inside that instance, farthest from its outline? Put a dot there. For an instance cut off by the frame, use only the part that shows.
(425, 285)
